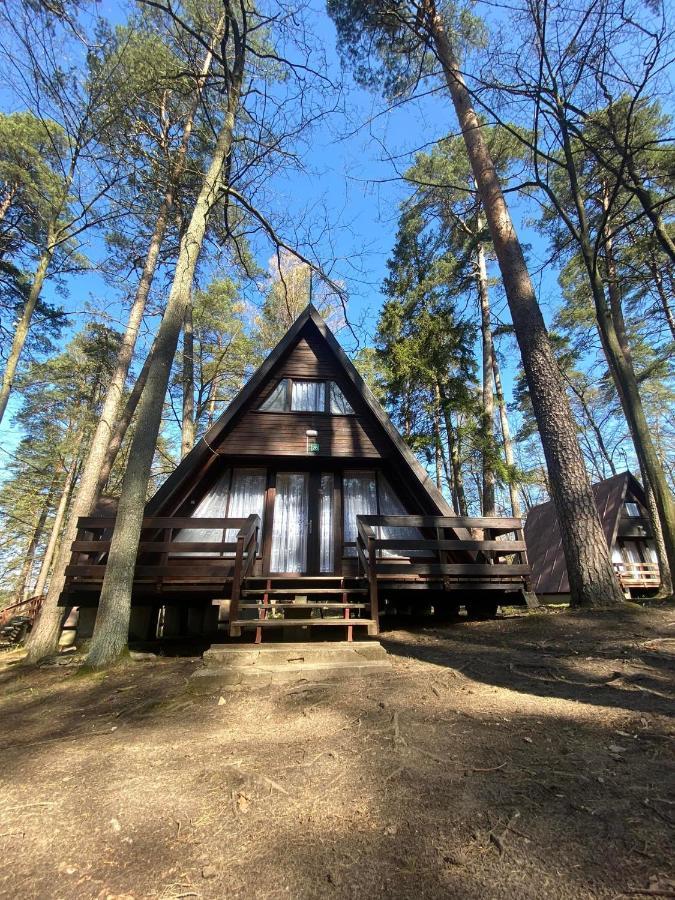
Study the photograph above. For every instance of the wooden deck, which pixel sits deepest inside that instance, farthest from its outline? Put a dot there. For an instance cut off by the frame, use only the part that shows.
(446, 554)
(638, 575)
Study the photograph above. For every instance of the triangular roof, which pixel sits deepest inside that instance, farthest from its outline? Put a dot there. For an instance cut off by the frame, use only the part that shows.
(309, 321)
(544, 542)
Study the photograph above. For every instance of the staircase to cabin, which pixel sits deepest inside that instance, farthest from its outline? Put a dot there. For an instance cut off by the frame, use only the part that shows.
(303, 602)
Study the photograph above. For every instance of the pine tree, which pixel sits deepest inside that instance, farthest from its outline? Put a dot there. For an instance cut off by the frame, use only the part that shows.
(392, 45)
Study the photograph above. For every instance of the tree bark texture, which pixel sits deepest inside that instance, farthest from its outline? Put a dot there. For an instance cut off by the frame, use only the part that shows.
(666, 587)
(112, 621)
(122, 425)
(459, 496)
(188, 384)
(23, 326)
(591, 574)
(57, 524)
(33, 544)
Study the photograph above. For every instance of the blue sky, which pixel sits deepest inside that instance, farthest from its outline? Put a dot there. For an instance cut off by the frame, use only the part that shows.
(351, 176)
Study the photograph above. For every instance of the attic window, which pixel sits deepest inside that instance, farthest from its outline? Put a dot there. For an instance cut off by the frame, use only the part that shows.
(291, 395)
(633, 510)
(338, 401)
(308, 396)
(278, 399)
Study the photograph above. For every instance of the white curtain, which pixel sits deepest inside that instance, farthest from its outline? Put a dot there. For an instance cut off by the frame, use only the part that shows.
(359, 499)
(308, 396)
(213, 505)
(326, 523)
(289, 531)
(246, 497)
(650, 552)
(338, 401)
(390, 505)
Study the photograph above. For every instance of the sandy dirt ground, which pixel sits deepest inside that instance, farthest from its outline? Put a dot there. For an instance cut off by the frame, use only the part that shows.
(527, 757)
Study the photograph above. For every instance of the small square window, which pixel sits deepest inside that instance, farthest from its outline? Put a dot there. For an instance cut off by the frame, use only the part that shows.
(633, 510)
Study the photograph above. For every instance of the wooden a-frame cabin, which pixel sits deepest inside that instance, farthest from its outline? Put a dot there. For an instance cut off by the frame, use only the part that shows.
(622, 508)
(301, 506)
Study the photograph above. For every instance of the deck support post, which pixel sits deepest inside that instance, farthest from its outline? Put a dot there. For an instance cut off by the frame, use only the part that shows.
(235, 630)
(373, 629)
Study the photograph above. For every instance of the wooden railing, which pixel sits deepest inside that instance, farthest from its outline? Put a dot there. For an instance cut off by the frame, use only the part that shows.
(29, 607)
(247, 546)
(638, 574)
(445, 550)
(161, 557)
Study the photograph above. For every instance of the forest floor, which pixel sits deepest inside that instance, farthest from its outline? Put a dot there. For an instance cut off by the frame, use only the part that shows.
(527, 757)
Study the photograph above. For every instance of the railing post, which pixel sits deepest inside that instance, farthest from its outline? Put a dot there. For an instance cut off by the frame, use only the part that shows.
(235, 630)
(373, 629)
(164, 556)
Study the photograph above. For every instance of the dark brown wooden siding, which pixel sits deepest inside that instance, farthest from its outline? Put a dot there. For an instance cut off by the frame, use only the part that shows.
(258, 433)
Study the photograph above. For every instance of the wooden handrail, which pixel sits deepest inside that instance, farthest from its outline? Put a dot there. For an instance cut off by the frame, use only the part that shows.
(507, 523)
(89, 556)
(428, 557)
(100, 523)
(30, 604)
(247, 542)
(638, 574)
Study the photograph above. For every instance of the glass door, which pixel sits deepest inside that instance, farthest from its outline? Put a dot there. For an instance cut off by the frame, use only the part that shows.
(290, 524)
(303, 524)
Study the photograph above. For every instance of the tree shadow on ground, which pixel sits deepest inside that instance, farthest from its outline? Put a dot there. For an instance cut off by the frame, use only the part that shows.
(427, 781)
(584, 658)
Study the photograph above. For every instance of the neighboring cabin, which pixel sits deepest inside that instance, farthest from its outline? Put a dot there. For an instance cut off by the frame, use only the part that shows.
(625, 521)
(305, 465)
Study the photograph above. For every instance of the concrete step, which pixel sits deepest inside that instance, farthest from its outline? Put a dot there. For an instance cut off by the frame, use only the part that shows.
(212, 680)
(294, 655)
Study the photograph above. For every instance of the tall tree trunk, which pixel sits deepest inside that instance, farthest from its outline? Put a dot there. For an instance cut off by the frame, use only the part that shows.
(657, 275)
(666, 587)
(591, 575)
(6, 202)
(23, 325)
(635, 182)
(488, 413)
(188, 416)
(438, 450)
(44, 638)
(57, 524)
(506, 438)
(33, 544)
(459, 496)
(213, 391)
(444, 457)
(122, 425)
(595, 428)
(615, 342)
(112, 621)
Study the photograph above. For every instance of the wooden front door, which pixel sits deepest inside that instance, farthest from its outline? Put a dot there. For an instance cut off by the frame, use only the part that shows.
(303, 524)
